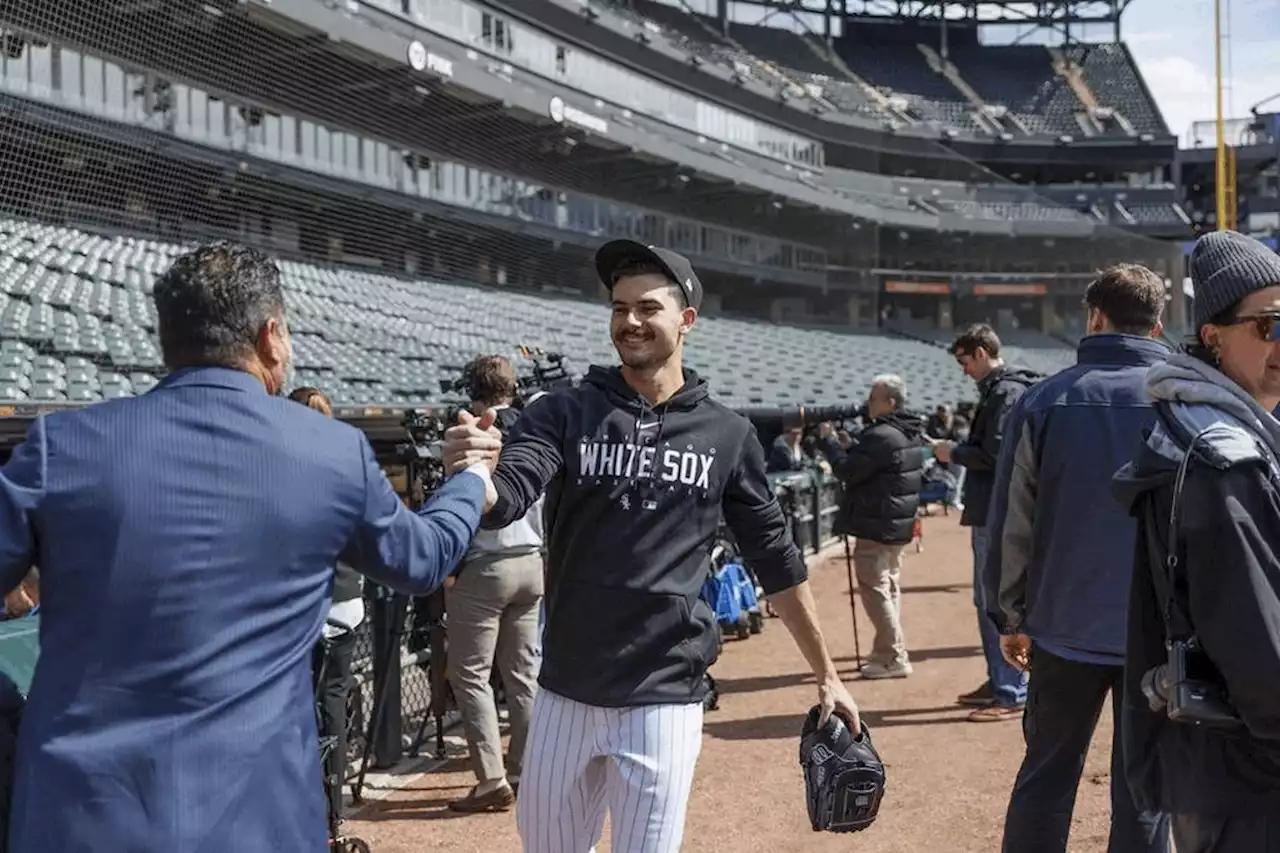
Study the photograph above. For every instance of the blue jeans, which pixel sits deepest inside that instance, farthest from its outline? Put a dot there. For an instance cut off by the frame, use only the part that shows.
(1008, 684)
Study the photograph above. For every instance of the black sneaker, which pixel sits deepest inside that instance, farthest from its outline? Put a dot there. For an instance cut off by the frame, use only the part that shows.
(980, 698)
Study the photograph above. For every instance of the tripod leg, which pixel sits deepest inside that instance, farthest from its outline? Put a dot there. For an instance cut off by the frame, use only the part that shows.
(420, 737)
(441, 754)
(391, 671)
(853, 602)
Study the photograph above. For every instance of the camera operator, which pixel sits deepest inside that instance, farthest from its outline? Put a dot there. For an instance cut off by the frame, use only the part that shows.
(1204, 611)
(881, 472)
(493, 603)
(347, 608)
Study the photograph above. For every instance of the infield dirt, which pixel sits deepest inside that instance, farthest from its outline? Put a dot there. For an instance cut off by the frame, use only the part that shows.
(948, 779)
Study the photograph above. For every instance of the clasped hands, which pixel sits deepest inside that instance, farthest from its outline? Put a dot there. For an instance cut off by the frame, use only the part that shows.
(473, 444)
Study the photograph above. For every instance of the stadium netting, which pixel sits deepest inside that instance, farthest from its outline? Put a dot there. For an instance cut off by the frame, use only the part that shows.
(132, 130)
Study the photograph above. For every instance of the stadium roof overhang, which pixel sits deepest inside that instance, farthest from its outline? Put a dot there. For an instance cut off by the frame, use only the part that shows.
(915, 145)
(1042, 13)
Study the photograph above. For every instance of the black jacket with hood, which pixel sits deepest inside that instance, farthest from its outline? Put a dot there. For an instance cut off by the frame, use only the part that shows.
(1229, 588)
(997, 393)
(635, 495)
(882, 473)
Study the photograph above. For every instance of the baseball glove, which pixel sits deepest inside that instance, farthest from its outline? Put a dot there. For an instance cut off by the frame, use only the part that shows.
(843, 774)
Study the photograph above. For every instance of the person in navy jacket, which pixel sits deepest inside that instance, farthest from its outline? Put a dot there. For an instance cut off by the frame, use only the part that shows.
(1060, 563)
(186, 541)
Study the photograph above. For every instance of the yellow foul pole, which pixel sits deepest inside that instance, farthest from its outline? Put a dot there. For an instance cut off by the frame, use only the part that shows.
(1221, 160)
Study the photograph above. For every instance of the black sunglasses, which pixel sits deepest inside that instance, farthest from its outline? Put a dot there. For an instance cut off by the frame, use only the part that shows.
(1268, 325)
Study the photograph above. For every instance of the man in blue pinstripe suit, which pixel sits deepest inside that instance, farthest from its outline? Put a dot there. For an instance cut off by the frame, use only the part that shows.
(186, 540)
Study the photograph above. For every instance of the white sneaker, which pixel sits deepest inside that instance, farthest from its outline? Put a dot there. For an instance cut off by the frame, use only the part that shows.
(878, 670)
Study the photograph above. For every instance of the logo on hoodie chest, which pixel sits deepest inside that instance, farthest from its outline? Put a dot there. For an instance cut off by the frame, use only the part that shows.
(666, 463)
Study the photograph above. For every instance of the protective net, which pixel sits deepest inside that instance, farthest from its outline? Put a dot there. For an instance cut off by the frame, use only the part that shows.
(415, 186)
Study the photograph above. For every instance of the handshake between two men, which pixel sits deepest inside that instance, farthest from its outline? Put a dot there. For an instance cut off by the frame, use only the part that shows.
(473, 445)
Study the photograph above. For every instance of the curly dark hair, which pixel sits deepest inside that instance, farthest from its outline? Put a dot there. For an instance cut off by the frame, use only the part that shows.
(491, 380)
(212, 303)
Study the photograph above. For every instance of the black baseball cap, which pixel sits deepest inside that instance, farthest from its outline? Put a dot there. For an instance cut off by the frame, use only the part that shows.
(613, 255)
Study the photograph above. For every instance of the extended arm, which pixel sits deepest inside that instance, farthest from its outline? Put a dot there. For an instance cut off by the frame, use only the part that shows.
(752, 513)
(1233, 586)
(21, 489)
(531, 457)
(413, 552)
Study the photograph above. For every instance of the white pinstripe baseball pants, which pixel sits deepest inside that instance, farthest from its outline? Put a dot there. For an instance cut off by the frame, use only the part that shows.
(580, 759)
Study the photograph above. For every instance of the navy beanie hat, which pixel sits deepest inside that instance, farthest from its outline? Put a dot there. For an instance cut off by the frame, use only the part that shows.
(1226, 266)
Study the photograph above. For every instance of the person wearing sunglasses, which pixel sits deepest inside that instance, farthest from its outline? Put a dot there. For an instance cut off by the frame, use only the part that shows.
(1201, 718)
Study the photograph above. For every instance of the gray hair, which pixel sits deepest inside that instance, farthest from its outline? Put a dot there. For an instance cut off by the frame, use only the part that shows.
(893, 383)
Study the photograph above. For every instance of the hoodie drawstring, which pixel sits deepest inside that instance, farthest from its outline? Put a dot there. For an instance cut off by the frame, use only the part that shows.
(637, 436)
(638, 442)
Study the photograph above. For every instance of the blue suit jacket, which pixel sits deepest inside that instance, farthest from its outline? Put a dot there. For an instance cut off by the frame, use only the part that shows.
(186, 540)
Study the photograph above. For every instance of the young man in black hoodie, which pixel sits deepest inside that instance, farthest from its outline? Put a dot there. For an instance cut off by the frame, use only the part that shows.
(638, 465)
(977, 350)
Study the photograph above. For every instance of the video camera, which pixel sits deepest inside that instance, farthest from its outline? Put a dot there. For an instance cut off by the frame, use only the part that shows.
(547, 373)
(422, 454)
(771, 422)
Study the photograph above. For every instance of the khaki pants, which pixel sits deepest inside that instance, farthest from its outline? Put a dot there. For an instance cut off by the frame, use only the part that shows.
(879, 571)
(493, 618)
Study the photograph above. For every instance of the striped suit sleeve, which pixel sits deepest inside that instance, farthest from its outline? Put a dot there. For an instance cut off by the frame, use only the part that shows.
(413, 552)
(22, 486)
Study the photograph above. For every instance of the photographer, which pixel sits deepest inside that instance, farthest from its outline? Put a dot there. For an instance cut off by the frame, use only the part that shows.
(1204, 611)
(347, 608)
(493, 603)
(881, 472)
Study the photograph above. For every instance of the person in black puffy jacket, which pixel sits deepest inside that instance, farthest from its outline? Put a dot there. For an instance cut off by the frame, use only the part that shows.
(882, 471)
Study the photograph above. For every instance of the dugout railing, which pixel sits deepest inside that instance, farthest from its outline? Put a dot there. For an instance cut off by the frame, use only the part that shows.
(809, 500)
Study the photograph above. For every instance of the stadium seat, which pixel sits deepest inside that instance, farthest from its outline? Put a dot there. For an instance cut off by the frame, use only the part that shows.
(369, 338)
